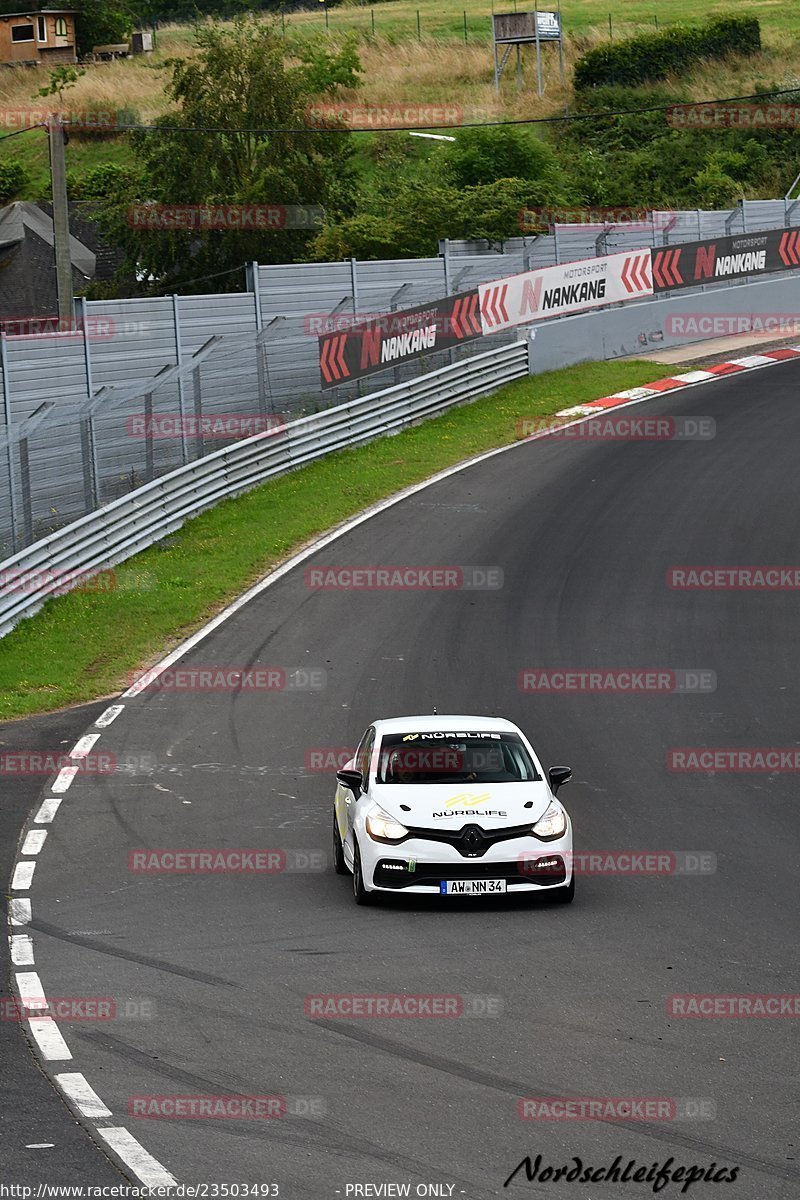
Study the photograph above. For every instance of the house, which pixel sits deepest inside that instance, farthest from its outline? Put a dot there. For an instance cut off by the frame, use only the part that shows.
(45, 37)
(27, 262)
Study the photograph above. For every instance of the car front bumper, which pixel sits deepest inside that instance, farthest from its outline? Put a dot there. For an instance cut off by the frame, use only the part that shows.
(419, 866)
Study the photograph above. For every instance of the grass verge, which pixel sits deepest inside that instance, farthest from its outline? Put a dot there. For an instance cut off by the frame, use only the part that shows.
(84, 645)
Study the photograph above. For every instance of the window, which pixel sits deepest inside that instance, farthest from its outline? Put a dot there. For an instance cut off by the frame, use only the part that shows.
(22, 33)
(42, 23)
(60, 27)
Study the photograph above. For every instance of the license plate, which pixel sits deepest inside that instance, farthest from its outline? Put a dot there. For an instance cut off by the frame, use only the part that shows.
(471, 887)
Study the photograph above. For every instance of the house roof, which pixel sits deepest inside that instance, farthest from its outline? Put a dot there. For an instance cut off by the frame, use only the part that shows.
(41, 12)
(17, 220)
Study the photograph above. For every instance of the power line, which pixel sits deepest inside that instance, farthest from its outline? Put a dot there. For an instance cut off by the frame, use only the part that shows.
(27, 129)
(764, 97)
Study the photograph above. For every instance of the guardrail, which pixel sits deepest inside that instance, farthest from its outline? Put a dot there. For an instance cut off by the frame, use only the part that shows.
(114, 533)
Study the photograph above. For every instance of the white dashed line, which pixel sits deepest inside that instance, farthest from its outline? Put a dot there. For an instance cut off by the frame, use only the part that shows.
(111, 714)
(23, 876)
(48, 810)
(146, 1168)
(21, 950)
(83, 745)
(34, 840)
(85, 1098)
(19, 912)
(31, 992)
(49, 1040)
(64, 779)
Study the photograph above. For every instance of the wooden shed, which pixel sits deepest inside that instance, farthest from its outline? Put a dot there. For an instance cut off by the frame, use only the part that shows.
(43, 37)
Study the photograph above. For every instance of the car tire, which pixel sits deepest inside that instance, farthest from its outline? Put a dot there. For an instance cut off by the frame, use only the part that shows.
(563, 895)
(339, 865)
(360, 893)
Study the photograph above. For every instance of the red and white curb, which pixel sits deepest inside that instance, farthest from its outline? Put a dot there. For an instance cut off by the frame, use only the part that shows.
(674, 382)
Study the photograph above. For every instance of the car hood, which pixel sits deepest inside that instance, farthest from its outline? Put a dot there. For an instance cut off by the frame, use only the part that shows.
(451, 806)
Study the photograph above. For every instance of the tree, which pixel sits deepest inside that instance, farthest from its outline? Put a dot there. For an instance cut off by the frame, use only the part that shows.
(234, 140)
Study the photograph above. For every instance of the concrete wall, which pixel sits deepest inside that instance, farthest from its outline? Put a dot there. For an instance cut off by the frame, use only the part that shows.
(676, 321)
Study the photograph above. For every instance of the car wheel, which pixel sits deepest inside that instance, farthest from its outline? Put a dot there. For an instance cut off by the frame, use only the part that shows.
(339, 865)
(360, 893)
(563, 895)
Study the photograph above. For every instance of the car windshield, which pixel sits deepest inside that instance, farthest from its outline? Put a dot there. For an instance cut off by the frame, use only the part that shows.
(413, 758)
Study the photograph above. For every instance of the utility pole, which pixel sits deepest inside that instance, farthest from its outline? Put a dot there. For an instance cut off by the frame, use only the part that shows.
(57, 138)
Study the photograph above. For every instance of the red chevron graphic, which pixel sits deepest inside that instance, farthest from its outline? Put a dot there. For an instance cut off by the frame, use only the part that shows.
(324, 364)
(340, 359)
(789, 249)
(674, 266)
(455, 318)
(474, 314)
(634, 278)
(494, 308)
(665, 268)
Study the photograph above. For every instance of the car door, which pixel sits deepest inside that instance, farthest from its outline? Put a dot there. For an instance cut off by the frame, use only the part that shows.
(346, 801)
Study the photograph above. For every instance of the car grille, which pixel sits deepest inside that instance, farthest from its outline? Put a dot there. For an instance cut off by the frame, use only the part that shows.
(394, 873)
(471, 841)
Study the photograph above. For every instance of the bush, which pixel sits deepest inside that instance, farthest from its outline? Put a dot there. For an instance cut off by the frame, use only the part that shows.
(504, 152)
(13, 179)
(653, 56)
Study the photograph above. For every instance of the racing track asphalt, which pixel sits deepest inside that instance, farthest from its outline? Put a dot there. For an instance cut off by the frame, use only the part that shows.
(584, 534)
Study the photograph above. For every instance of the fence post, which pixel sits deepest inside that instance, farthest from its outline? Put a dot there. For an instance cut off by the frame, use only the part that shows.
(176, 320)
(444, 250)
(261, 350)
(91, 471)
(25, 484)
(149, 450)
(12, 491)
(198, 412)
(354, 286)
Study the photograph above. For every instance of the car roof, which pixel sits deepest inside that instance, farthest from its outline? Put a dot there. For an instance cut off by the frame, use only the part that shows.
(435, 723)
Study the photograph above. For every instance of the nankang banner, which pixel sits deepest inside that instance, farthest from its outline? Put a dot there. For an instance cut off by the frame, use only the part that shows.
(567, 288)
(387, 341)
(715, 259)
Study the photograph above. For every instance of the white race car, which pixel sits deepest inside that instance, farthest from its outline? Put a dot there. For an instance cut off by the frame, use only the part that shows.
(451, 806)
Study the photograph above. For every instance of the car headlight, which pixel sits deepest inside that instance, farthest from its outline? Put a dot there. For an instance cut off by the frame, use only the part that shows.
(552, 824)
(384, 828)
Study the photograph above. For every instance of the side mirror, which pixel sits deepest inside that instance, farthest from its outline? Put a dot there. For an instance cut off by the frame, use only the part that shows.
(351, 779)
(557, 776)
